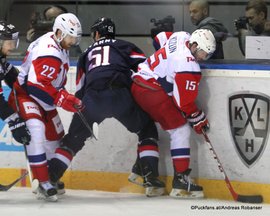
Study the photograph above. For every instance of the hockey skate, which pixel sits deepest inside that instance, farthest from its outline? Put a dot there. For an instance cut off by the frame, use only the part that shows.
(60, 187)
(47, 192)
(153, 186)
(136, 175)
(183, 187)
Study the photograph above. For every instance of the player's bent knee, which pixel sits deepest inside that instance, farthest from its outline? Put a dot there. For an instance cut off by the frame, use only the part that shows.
(73, 144)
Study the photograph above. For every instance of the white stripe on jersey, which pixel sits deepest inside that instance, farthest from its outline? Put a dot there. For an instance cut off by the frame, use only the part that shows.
(177, 96)
(137, 56)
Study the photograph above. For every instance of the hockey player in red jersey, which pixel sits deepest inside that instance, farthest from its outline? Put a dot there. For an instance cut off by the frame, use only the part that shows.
(39, 89)
(166, 86)
(9, 40)
(103, 84)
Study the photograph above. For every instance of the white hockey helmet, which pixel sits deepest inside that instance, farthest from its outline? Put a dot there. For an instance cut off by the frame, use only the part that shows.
(205, 41)
(70, 25)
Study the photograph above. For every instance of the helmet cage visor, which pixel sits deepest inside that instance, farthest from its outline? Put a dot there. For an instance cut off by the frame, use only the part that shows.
(73, 40)
(208, 55)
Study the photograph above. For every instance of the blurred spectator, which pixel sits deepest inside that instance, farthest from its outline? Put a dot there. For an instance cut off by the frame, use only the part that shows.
(254, 23)
(5, 6)
(42, 23)
(199, 15)
(162, 25)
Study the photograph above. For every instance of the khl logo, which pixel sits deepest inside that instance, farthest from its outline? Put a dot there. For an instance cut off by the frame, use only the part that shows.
(249, 119)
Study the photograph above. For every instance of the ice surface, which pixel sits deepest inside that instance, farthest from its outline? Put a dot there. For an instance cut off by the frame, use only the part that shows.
(20, 202)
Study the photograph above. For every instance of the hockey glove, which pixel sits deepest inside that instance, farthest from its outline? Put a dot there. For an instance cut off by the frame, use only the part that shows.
(198, 122)
(68, 101)
(19, 130)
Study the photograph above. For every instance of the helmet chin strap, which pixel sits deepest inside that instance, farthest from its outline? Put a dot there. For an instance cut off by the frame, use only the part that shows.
(196, 50)
(58, 40)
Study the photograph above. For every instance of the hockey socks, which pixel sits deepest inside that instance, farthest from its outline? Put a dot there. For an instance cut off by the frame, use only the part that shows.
(145, 170)
(59, 164)
(39, 167)
(180, 164)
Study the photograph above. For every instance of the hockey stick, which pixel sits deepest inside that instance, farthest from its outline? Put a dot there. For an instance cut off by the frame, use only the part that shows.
(236, 196)
(7, 187)
(94, 132)
(25, 150)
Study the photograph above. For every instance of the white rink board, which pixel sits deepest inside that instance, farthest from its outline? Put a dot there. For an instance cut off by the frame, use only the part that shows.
(115, 151)
(214, 95)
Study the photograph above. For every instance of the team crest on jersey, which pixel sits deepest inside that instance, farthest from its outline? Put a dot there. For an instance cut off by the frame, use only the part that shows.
(249, 119)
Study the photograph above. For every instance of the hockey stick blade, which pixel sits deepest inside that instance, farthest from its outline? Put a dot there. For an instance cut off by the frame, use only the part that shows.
(87, 125)
(94, 132)
(236, 196)
(7, 187)
(250, 199)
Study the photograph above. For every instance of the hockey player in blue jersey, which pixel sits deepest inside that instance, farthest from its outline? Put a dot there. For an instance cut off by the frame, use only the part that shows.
(9, 40)
(103, 84)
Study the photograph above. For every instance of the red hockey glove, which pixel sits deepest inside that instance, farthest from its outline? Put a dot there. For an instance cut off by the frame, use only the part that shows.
(68, 101)
(198, 121)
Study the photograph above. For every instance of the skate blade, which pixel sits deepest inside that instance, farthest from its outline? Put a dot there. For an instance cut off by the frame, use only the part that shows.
(41, 196)
(61, 191)
(136, 179)
(183, 194)
(154, 191)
